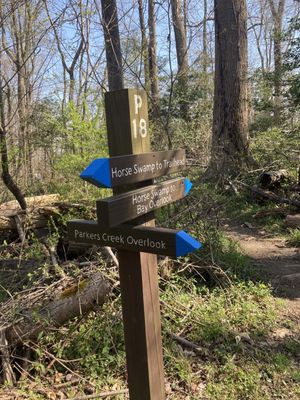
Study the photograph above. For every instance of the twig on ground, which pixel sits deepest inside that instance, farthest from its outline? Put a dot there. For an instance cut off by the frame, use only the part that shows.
(110, 253)
(100, 395)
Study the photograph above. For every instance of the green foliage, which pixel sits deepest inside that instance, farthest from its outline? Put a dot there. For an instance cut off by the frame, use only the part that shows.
(292, 63)
(191, 131)
(231, 328)
(294, 237)
(232, 382)
(97, 343)
(218, 316)
(273, 147)
(82, 140)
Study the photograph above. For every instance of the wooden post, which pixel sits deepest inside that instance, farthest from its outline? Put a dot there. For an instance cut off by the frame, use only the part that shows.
(128, 133)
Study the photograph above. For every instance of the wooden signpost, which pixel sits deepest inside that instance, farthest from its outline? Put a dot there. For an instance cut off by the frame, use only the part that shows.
(127, 206)
(131, 162)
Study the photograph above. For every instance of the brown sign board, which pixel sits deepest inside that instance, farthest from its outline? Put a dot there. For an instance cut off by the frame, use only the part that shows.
(124, 207)
(123, 170)
(163, 241)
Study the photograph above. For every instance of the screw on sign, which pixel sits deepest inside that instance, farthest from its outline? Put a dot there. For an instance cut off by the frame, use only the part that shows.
(130, 162)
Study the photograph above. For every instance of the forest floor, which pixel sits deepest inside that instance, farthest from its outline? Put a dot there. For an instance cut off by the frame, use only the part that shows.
(274, 262)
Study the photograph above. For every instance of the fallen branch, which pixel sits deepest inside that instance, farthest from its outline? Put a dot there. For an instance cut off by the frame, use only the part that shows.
(270, 195)
(185, 343)
(271, 212)
(100, 395)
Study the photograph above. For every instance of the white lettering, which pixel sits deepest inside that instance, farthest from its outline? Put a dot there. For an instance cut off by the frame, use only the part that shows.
(137, 103)
(120, 173)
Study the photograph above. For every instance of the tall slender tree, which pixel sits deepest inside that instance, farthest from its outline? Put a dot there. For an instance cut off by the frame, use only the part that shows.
(277, 11)
(182, 54)
(152, 52)
(144, 44)
(112, 44)
(230, 151)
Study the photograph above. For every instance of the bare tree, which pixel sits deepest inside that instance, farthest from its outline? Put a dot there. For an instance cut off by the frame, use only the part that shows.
(69, 69)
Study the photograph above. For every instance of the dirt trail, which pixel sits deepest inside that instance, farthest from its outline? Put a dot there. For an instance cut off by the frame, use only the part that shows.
(274, 260)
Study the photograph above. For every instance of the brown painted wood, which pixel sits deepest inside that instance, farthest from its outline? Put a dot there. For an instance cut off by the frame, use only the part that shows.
(140, 167)
(124, 207)
(140, 238)
(138, 271)
(120, 115)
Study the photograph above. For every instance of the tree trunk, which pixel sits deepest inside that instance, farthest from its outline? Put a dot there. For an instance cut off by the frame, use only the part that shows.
(182, 56)
(230, 151)
(112, 44)
(6, 176)
(153, 61)
(277, 14)
(144, 45)
(204, 38)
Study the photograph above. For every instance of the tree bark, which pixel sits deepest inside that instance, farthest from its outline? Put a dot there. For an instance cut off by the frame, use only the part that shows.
(144, 45)
(204, 38)
(230, 151)
(6, 176)
(277, 14)
(112, 44)
(153, 60)
(182, 56)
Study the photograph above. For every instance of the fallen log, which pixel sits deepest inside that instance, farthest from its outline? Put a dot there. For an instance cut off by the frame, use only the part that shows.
(31, 312)
(37, 214)
(24, 316)
(11, 208)
(282, 212)
(293, 221)
(270, 195)
(271, 179)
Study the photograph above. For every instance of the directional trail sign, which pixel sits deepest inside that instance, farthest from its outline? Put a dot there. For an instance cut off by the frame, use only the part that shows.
(163, 241)
(127, 206)
(116, 171)
(132, 162)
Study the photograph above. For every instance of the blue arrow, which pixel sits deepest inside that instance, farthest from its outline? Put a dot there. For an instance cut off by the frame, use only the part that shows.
(185, 244)
(98, 173)
(187, 186)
